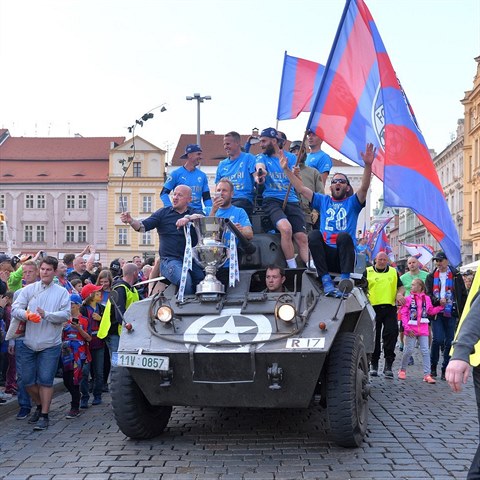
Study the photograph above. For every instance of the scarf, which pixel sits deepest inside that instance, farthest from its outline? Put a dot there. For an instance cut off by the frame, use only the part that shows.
(414, 310)
(448, 291)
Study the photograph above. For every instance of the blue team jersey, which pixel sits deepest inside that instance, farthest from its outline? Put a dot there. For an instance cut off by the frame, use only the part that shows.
(277, 182)
(196, 180)
(319, 160)
(337, 216)
(236, 215)
(239, 172)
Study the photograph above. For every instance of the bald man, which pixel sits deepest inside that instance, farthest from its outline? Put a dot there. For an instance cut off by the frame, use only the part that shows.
(169, 222)
(384, 290)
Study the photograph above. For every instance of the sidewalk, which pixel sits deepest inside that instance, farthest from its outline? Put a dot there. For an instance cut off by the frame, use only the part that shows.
(11, 406)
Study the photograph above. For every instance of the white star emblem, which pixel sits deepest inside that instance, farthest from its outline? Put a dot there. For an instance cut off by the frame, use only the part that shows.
(229, 332)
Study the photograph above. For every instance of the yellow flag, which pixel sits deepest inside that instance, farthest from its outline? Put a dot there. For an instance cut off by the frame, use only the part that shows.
(475, 356)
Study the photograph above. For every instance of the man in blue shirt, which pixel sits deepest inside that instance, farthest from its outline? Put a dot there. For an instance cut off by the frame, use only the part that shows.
(189, 175)
(169, 222)
(223, 208)
(333, 246)
(238, 168)
(291, 221)
(316, 158)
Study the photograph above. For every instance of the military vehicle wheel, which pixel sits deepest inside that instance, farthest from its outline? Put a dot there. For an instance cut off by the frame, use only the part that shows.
(348, 390)
(133, 413)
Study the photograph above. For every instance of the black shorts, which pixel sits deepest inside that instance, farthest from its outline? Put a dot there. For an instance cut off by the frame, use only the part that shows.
(293, 213)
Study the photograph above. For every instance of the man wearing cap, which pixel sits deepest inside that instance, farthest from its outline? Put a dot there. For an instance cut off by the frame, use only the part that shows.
(191, 176)
(45, 306)
(238, 167)
(169, 222)
(289, 222)
(312, 179)
(445, 287)
(333, 245)
(317, 158)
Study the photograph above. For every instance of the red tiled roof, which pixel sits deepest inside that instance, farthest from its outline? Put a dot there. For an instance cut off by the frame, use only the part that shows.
(213, 152)
(74, 148)
(68, 171)
(55, 160)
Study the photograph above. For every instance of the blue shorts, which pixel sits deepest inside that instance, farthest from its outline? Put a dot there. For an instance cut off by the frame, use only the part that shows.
(39, 368)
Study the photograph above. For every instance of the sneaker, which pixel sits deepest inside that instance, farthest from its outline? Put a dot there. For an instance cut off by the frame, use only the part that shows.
(328, 287)
(387, 372)
(5, 396)
(72, 413)
(374, 371)
(429, 379)
(42, 424)
(402, 374)
(84, 402)
(411, 361)
(35, 416)
(23, 413)
(97, 401)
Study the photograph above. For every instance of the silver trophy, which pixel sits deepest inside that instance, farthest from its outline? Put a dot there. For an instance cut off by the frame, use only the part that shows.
(211, 252)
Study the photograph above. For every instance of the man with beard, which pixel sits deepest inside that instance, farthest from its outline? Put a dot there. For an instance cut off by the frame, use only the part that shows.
(333, 245)
(289, 221)
(191, 176)
(169, 222)
(238, 167)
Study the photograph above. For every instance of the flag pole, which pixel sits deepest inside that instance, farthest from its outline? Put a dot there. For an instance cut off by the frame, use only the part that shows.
(299, 156)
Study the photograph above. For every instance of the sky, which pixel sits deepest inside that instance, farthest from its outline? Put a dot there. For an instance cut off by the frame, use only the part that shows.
(94, 67)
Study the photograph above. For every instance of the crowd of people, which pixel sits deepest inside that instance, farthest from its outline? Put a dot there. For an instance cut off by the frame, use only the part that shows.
(57, 318)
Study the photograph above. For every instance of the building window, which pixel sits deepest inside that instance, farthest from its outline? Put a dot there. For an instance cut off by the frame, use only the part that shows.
(2, 201)
(28, 233)
(2, 232)
(122, 236)
(137, 169)
(82, 233)
(41, 201)
(122, 203)
(28, 200)
(147, 204)
(69, 233)
(147, 238)
(70, 202)
(82, 202)
(40, 233)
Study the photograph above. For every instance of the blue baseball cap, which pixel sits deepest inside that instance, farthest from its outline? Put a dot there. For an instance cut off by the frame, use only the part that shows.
(191, 148)
(76, 298)
(269, 132)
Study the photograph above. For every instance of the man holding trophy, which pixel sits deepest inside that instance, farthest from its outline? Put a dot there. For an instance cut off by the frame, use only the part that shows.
(169, 222)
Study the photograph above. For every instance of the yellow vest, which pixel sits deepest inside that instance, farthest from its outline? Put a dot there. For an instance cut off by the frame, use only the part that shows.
(132, 296)
(475, 356)
(382, 287)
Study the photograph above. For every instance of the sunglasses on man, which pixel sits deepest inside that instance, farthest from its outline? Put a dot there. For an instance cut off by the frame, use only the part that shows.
(338, 180)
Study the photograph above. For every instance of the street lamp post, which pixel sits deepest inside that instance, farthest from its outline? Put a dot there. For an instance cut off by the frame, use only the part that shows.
(199, 99)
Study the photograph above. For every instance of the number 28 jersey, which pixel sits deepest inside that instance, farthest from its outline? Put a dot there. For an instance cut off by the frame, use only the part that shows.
(337, 216)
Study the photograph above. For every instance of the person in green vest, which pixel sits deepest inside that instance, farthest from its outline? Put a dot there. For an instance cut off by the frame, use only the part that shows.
(111, 324)
(385, 290)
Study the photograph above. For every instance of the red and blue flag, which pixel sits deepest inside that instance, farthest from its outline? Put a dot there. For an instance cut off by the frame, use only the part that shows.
(423, 253)
(300, 81)
(360, 100)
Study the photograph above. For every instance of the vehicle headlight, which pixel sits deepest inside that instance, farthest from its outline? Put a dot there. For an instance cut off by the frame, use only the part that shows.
(165, 314)
(286, 312)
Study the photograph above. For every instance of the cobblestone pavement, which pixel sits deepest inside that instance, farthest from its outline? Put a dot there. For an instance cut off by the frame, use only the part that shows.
(416, 431)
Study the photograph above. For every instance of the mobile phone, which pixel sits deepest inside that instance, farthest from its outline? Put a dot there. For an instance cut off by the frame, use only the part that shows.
(75, 320)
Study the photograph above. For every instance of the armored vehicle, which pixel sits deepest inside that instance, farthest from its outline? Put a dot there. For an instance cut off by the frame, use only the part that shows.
(245, 347)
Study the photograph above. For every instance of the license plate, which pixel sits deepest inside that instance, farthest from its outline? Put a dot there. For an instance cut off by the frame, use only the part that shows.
(134, 360)
(317, 343)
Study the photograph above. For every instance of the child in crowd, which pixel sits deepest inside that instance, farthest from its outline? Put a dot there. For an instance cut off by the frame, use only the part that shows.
(77, 285)
(75, 353)
(92, 310)
(414, 316)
